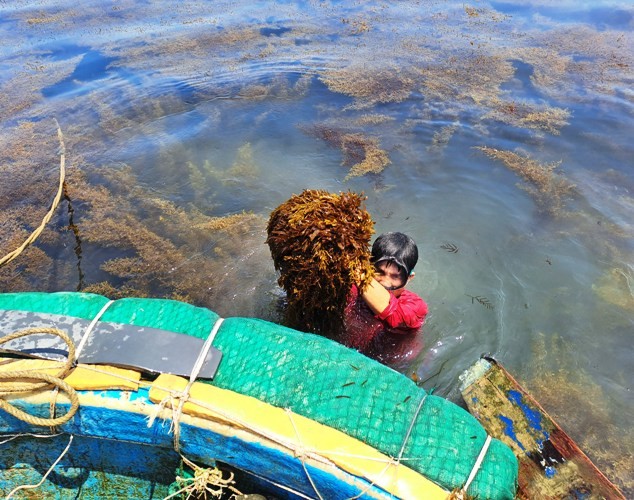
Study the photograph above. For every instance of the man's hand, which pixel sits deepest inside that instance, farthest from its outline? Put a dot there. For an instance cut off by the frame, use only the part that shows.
(377, 297)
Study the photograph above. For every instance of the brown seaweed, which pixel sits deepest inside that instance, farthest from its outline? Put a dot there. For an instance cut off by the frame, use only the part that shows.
(483, 301)
(549, 189)
(361, 153)
(368, 85)
(320, 244)
(450, 247)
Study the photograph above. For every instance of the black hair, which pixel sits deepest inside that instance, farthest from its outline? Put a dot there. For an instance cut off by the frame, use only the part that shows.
(398, 248)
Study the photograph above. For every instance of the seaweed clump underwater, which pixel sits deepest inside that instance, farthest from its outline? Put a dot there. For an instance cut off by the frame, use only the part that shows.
(319, 242)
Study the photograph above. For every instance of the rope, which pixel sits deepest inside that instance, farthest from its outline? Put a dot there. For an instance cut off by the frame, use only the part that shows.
(62, 172)
(400, 458)
(204, 481)
(11, 437)
(411, 426)
(46, 381)
(147, 384)
(230, 417)
(89, 330)
(284, 487)
(183, 396)
(291, 445)
(476, 466)
(300, 452)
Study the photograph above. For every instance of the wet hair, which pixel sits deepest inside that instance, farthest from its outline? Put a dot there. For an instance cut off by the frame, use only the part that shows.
(397, 248)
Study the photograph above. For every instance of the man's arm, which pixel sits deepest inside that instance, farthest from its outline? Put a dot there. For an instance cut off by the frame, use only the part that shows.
(376, 296)
(407, 311)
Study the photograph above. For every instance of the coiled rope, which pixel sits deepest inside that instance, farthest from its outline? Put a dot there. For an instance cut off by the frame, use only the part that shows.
(15, 384)
(62, 173)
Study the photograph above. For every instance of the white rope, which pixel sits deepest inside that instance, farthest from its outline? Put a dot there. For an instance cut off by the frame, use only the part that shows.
(477, 464)
(400, 458)
(32, 486)
(411, 426)
(90, 328)
(183, 396)
(278, 485)
(204, 350)
(367, 488)
(172, 394)
(318, 454)
(228, 416)
(300, 452)
(11, 437)
(391, 461)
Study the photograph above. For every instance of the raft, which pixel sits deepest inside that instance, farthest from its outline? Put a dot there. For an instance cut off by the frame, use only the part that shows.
(551, 465)
(302, 416)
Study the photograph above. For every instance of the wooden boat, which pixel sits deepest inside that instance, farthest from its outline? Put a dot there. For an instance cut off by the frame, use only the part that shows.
(303, 416)
(551, 465)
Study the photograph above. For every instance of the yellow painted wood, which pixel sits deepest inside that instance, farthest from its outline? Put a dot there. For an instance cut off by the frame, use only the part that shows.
(83, 377)
(303, 436)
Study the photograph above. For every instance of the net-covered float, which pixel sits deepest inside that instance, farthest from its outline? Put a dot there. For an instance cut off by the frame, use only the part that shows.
(152, 383)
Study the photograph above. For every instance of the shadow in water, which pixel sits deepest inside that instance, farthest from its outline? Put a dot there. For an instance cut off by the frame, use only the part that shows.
(77, 248)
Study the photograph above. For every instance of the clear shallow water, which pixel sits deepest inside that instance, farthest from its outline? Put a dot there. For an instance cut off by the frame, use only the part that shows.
(185, 125)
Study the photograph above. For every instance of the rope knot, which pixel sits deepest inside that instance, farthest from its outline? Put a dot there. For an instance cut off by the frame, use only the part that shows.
(300, 452)
(208, 480)
(180, 396)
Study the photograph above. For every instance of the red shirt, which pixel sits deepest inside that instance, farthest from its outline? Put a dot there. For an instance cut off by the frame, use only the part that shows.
(403, 315)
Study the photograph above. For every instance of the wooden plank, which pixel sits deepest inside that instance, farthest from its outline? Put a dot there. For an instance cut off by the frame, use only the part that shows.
(551, 465)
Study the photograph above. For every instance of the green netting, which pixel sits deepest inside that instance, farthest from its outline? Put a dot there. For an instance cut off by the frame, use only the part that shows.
(322, 380)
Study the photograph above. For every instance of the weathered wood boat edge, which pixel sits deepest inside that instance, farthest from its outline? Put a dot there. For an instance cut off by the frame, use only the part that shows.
(551, 464)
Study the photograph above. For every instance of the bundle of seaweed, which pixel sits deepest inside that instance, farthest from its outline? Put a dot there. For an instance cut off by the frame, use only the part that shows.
(320, 244)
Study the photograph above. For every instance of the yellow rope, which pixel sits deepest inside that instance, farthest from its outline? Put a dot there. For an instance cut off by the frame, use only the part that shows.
(46, 381)
(62, 172)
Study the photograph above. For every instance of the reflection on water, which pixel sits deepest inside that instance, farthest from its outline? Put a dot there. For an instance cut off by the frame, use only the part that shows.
(496, 133)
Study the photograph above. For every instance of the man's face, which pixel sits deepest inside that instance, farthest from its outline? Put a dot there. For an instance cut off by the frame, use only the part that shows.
(390, 276)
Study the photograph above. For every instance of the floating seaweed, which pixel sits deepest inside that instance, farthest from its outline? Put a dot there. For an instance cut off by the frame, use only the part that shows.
(442, 137)
(480, 300)
(549, 189)
(530, 116)
(361, 153)
(475, 79)
(320, 244)
(577, 57)
(616, 287)
(370, 85)
(373, 119)
(450, 247)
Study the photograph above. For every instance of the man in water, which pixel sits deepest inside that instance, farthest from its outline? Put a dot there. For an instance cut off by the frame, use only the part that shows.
(384, 320)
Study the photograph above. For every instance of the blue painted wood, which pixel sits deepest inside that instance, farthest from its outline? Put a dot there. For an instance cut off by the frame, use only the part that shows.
(93, 468)
(119, 434)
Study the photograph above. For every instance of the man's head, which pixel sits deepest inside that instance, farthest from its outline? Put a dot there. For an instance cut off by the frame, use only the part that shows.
(394, 256)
